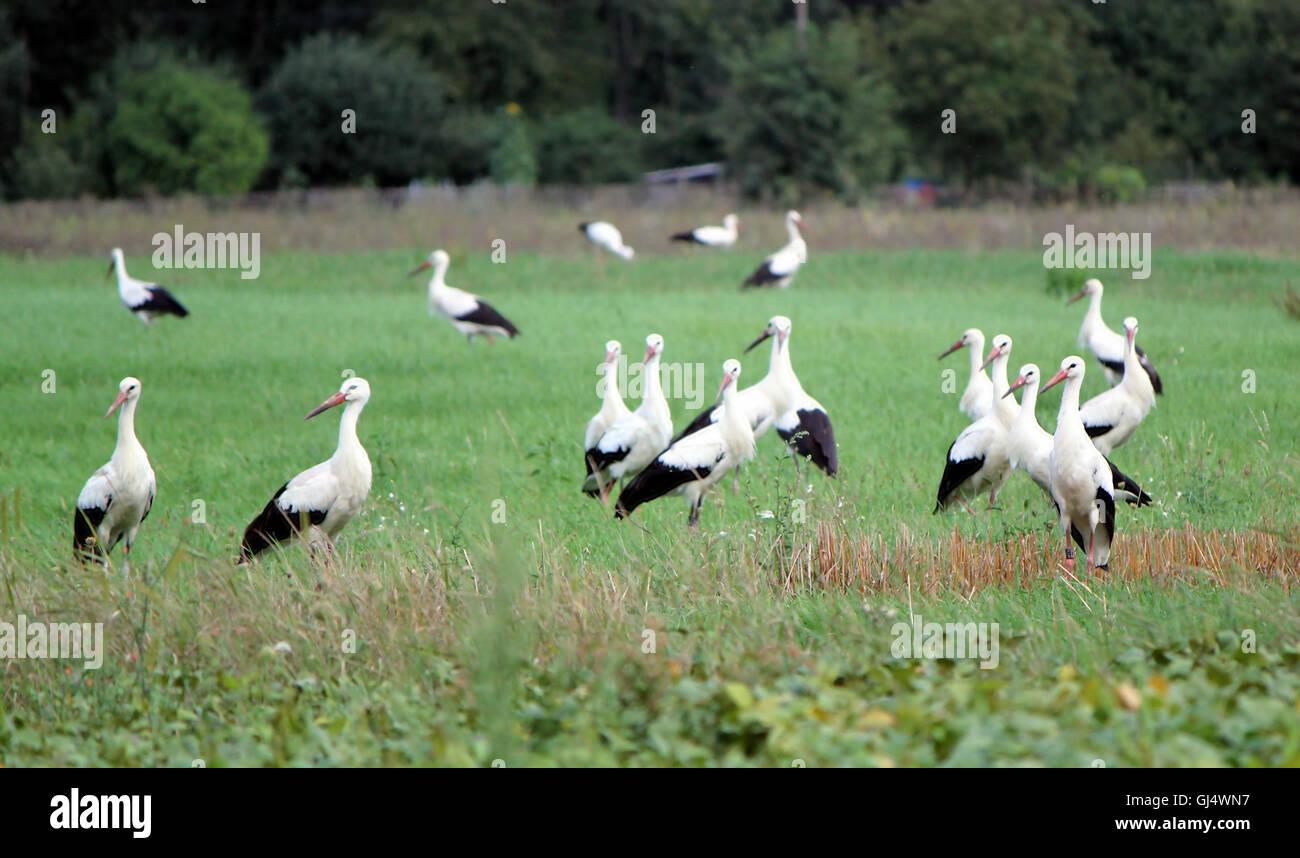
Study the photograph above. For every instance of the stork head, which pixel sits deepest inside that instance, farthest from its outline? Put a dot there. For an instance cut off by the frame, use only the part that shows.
(972, 338)
(731, 222)
(792, 218)
(730, 374)
(352, 390)
(1028, 377)
(654, 346)
(613, 349)
(128, 390)
(1001, 348)
(1091, 286)
(115, 260)
(1071, 367)
(777, 326)
(1131, 328)
(439, 259)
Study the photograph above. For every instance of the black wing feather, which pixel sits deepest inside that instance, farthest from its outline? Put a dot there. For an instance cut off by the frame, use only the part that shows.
(1151, 371)
(814, 438)
(954, 474)
(1128, 484)
(654, 482)
(1108, 521)
(273, 526)
(683, 236)
(761, 277)
(1097, 431)
(161, 302)
(485, 314)
(85, 527)
(1115, 366)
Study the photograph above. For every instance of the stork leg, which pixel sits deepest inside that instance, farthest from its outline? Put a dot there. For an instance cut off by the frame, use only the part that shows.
(1069, 549)
(735, 480)
(694, 519)
(1092, 535)
(966, 507)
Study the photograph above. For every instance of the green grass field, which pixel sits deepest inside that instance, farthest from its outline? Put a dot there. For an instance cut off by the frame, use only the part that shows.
(521, 636)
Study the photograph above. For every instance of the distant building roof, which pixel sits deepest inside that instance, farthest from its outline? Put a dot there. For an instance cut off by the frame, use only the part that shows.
(684, 174)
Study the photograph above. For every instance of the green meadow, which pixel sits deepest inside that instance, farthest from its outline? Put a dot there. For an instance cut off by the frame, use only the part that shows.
(482, 609)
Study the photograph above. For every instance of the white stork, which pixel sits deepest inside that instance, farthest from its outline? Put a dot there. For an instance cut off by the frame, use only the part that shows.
(467, 312)
(1082, 486)
(780, 268)
(978, 396)
(117, 498)
(712, 236)
(1105, 344)
(631, 443)
(604, 234)
(324, 497)
(1005, 408)
(976, 462)
(694, 464)
(1112, 417)
(612, 407)
(779, 400)
(147, 301)
(1029, 446)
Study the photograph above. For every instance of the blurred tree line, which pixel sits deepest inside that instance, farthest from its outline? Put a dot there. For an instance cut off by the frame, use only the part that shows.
(1062, 97)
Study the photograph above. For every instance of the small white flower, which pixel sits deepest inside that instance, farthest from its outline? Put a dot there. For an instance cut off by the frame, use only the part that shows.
(282, 647)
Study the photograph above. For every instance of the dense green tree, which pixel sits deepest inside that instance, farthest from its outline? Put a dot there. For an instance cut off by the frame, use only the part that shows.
(396, 109)
(587, 146)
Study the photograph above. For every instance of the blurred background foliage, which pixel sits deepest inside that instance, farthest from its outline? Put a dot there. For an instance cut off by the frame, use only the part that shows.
(1054, 98)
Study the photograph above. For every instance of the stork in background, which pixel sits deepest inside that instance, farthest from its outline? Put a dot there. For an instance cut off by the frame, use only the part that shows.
(323, 498)
(147, 301)
(605, 235)
(694, 464)
(977, 398)
(780, 268)
(612, 407)
(467, 312)
(1108, 346)
(631, 443)
(712, 236)
(116, 499)
(1112, 417)
(1082, 486)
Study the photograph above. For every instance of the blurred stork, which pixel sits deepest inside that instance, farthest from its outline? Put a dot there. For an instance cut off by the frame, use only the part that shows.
(977, 399)
(147, 301)
(632, 442)
(780, 268)
(612, 407)
(1105, 344)
(712, 236)
(604, 234)
(1112, 417)
(467, 312)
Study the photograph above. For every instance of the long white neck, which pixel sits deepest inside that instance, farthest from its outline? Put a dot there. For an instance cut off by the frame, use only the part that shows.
(612, 404)
(1005, 406)
(792, 230)
(350, 447)
(737, 436)
(1027, 419)
(1068, 421)
(128, 446)
(1092, 319)
(437, 283)
(654, 402)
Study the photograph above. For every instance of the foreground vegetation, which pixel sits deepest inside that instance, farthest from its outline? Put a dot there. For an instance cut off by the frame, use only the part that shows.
(483, 610)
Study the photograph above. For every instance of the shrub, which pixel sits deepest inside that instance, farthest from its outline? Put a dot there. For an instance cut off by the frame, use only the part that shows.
(586, 146)
(398, 107)
(513, 161)
(1115, 184)
(44, 170)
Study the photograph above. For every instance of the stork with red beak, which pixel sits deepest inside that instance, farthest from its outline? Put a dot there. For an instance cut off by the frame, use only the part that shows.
(1105, 344)
(780, 268)
(1081, 481)
(612, 407)
(467, 312)
(324, 498)
(632, 442)
(1112, 417)
(116, 499)
(978, 396)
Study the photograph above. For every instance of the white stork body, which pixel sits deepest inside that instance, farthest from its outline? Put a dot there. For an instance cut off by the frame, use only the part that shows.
(780, 268)
(467, 312)
(605, 235)
(612, 407)
(631, 443)
(694, 464)
(713, 236)
(978, 396)
(324, 497)
(147, 301)
(1081, 481)
(1112, 417)
(1105, 344)
(117, 497)
(976, 463)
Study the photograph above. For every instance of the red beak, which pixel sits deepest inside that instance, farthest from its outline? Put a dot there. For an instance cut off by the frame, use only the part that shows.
(994, 352)
(1080, 294)
(1019, 383)
(326, 405)
(1055, 380)
(649, 353)
(117, 403)
(609, 357)
(760, 339)
(952, 348)
(421, 267)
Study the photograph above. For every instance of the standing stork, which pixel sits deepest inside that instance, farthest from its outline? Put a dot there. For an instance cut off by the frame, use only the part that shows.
(116, 499)
(604, 234)
(978, 396)
(147, 301)
(1112, 417)
(712, 236)
(780, 268)
(1081, 482)
(1105, 344)
(1029, 445)
(324, 497)
(694, 464)
(612, 407)
(976, 462)
(631, 443)
(467, 312)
